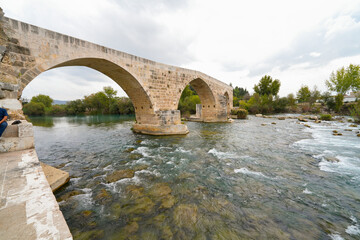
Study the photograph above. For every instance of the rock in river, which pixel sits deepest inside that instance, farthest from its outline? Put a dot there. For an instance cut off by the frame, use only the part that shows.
(117, 175)
(185, 215)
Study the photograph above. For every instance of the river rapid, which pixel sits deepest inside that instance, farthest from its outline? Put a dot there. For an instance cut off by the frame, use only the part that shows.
(240, 180)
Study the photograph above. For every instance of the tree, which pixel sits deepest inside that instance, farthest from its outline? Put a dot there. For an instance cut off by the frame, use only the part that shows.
(304, 94)
(291, 99)
(267, 86)
(239, 92)
(314, 95)
(44, 99)
(34, 109)
(345, 79)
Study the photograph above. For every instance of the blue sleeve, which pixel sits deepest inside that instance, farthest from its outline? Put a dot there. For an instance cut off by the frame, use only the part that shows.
(6, 114)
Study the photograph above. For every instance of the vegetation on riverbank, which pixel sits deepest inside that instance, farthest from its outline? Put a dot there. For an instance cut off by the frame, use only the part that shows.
(266, 101)
(102, 102)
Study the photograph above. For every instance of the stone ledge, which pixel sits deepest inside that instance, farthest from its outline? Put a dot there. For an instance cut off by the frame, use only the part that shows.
(56, 177)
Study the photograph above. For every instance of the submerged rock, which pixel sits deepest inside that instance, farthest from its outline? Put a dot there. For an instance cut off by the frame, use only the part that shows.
(141, 206)
(68, 195)
(86, 213)
(307, 125)
(318, 121)
(263, 124)
(103, 196)
(281, 118)
(358, 135)
(258, 115)
(135, 156)
(160, 190)
(121, 174)
(93, 234)
(168, 201)
(140, 167)
(353, 125)
(185, 215)
(129, 150)
(126, 232)
(332, 159)
(134, 191)
(273, 123)
(166, 232)
(337, 134)
(349, 130)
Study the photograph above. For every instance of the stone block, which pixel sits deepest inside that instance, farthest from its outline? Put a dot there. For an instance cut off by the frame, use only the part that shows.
(11, 131)
(25, 129)
(13, 104)
(55, 177)
(8, 86)
(16, 144)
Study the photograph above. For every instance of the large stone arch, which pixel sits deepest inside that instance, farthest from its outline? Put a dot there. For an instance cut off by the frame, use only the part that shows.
(127, 81)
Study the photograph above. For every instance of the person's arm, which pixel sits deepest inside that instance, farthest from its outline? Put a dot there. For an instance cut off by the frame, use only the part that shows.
(3, 120)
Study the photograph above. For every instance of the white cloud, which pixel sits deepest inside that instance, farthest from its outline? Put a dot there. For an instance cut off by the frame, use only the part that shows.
(234, 41)
(315, 54)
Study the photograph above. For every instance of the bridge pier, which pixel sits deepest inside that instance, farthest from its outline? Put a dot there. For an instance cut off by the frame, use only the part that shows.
(167, 122)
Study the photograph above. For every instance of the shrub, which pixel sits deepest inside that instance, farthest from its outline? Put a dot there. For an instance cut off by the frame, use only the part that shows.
(355, 112)
(240, 113)
(325, 117)
(34, 109)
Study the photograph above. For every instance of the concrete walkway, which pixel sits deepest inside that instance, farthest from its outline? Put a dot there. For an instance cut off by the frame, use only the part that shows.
(28, 208)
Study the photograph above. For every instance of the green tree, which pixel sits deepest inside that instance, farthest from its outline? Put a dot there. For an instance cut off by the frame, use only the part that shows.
(304, 94)
(34, 109)
(314, 95)
(75, 107)
(328, 100)
(345, 79)
(267, 86)
(239, 92)
(44, 99)
(339, 102)
(291, 99)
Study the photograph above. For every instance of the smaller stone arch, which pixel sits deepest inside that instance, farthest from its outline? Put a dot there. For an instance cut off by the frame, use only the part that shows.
(206, 95)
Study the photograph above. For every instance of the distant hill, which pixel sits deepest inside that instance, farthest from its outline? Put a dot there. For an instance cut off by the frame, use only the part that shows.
(59, 102)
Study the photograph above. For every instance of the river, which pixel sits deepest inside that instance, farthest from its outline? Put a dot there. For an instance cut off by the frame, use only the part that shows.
(239, 180)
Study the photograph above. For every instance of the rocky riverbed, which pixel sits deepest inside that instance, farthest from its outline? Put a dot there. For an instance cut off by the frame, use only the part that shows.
(276, 177)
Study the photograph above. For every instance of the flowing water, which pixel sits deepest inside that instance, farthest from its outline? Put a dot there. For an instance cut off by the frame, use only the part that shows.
(221, 181)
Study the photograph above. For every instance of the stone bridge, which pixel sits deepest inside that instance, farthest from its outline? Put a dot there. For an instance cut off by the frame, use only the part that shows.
(154, 88)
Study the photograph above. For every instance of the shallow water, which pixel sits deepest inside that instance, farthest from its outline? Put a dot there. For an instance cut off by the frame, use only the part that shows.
(221, 181)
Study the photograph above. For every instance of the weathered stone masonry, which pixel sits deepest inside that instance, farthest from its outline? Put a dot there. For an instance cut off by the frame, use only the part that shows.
(155, 88)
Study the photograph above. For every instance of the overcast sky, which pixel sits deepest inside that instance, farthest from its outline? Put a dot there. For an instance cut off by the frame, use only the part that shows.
(298, 42)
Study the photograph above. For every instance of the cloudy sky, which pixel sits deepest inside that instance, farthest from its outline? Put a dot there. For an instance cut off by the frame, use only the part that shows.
(299, 42)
